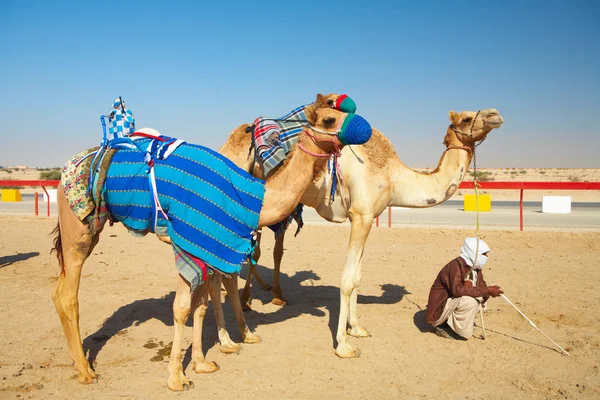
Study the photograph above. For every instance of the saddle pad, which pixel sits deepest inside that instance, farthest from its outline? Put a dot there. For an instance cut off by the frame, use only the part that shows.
(212, 206)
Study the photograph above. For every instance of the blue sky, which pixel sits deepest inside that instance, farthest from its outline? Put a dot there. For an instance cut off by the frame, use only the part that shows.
(196, 70)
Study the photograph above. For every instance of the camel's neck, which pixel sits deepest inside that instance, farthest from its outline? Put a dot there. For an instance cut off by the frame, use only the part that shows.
(286, 186)
(414, 189)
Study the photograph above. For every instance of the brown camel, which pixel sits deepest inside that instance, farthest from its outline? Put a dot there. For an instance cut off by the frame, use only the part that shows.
(372, 178)
(75, 241)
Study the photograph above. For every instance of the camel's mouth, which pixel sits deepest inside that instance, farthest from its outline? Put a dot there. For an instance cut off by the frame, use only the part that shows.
(494, 121)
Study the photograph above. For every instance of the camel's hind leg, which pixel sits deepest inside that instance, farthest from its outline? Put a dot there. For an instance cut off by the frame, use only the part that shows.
(73, 245)
(228, 346)
(231, 285)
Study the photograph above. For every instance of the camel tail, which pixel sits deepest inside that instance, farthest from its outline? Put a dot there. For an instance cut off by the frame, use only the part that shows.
(58, 247)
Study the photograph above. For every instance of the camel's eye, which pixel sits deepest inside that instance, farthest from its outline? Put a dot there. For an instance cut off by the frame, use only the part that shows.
(467, 119)
(330, 102)
(329, 122)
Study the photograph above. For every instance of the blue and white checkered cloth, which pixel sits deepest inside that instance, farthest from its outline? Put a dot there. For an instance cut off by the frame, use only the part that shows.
(121, 122)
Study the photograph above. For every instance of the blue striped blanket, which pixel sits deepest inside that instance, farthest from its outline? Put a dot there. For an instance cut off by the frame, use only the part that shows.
(212, 206)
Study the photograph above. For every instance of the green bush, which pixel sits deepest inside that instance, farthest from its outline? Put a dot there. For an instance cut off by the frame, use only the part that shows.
(483, 176)
(50, 175)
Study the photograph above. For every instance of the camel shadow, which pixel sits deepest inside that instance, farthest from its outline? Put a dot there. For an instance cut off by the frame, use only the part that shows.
(8, 260)
(304, 297)
(140, 311)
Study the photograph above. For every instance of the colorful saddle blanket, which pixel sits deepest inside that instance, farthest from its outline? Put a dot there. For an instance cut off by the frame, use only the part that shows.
(211, 207)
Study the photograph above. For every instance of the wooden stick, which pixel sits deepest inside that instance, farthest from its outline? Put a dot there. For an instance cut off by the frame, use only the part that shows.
(532, 324)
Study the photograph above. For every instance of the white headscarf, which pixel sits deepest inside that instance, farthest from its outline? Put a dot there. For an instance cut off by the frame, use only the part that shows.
(467, 252)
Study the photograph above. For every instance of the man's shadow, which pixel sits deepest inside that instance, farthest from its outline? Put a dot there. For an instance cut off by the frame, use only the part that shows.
(8, 260)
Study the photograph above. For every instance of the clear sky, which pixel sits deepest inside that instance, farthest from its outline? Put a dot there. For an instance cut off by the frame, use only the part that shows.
(195, 70)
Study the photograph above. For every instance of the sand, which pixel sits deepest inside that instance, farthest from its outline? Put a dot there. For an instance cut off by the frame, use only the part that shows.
(126, 320)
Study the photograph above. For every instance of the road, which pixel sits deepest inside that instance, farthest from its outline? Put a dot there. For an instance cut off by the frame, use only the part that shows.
(505, 214)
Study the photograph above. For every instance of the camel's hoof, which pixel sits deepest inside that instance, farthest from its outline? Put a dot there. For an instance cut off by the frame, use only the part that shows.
(347, 351)
(251, 338)
(279, 301)
(88, 378)
(179, 382)
(358, 332)
(206, 367)
(230, 348)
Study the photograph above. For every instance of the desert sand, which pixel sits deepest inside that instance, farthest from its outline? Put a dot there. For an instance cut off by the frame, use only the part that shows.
(126, 320)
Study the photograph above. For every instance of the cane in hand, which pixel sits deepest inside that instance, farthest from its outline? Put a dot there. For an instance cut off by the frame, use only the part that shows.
(532, 324)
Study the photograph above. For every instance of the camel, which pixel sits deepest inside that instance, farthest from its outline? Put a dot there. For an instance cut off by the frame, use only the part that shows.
(372, 178)
(75, 241)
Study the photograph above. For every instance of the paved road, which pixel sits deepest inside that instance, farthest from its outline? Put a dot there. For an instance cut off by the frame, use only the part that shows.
(585, 216)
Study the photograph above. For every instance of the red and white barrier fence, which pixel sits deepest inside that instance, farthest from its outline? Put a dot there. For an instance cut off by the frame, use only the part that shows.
(521, 186)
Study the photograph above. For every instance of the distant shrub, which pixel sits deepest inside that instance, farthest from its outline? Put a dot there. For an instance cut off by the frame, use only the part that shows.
(573, 178)
(542, 172)
(50, 175)
(522, 171)
(483, 176)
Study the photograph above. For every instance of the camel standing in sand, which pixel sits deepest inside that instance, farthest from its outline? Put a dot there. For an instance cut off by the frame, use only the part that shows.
(74, 243)
(373, 178)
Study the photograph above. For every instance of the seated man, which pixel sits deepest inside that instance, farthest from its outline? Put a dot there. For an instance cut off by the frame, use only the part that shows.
(459, 290)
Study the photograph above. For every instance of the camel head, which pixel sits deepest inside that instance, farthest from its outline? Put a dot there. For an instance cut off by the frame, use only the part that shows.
(469, 127)
(331, 129)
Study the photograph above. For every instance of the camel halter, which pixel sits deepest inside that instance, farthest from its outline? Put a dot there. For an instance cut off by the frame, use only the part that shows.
(335, 169)
(468, 135)
(334, 140)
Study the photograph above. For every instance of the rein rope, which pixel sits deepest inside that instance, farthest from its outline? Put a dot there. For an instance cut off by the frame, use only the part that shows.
(476, 187)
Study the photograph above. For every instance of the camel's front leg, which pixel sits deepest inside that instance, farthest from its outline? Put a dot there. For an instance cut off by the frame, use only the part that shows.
(231, 286)
(361, 226)
(278, 298)
(181, 310)
(228, 346)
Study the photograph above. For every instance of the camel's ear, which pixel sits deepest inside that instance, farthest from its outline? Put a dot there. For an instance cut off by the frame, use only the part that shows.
(311, 114)
(454, 117)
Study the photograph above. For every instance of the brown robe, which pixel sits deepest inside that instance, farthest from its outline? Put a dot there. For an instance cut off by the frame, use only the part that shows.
(450, 282)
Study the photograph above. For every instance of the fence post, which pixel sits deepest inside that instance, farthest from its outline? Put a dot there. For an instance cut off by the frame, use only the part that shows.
(47, 199)
(377, 221)
(521, 211)
(389, 216)
(35, 203)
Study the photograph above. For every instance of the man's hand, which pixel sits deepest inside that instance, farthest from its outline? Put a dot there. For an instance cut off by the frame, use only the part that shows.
(494, 291)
